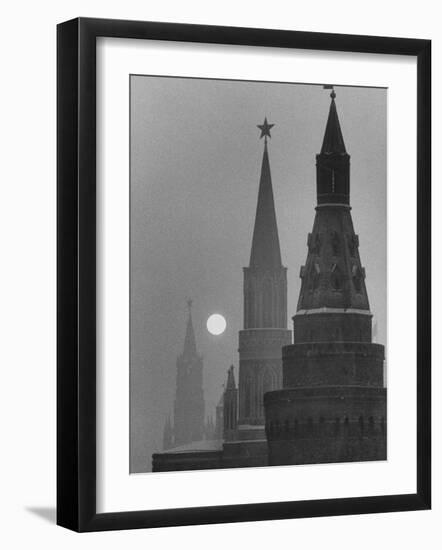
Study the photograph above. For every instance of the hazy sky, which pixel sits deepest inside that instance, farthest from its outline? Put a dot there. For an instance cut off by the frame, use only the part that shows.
(195, 165)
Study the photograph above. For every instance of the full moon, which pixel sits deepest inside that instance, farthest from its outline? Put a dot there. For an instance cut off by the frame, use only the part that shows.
(216, 324)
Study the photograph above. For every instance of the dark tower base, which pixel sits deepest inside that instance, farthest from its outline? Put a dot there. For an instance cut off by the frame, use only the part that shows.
(313, 425)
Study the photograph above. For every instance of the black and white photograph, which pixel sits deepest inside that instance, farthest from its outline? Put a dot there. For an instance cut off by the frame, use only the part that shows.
(220, 236)
(258, 274)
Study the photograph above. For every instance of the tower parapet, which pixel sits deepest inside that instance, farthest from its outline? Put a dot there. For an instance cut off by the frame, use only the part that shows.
(312, 425)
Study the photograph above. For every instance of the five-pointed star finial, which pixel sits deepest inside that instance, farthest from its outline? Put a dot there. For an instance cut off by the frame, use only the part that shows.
(265, 129)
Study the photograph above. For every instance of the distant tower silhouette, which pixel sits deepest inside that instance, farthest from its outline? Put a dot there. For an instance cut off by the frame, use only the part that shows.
(230, 407)
(167, 435)
(189, 400)
(219, 418)
(333, 405)
(265, 305)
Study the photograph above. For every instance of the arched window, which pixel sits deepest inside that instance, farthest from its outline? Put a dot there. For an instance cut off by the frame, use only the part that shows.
(267, 303)
(333, 183)
(250, 307)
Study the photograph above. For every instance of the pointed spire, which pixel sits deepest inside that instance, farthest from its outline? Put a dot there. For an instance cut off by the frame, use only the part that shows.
(231, 385)
(333, 276)
(265, 251)
(189, 342)
(333, 140)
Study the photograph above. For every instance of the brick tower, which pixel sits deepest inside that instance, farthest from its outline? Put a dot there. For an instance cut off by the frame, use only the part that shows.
(265, 326)
(333, 405)
(265, 305)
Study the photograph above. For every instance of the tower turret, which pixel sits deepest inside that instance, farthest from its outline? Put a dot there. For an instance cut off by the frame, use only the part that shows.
(333, 279)
(332, 407)
(333, 163)
(265, 279)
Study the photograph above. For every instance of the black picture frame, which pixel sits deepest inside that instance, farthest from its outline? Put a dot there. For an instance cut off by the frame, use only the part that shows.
(76, 273)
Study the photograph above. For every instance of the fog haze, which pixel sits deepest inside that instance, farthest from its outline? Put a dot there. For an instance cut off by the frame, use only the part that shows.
(195, 165)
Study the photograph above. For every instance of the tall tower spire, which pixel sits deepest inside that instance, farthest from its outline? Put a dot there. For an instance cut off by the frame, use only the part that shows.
(333, 276)
(189, 342)
(189, 401)
(265, 304)
(333, 140)
(265, 253)
(265, 280)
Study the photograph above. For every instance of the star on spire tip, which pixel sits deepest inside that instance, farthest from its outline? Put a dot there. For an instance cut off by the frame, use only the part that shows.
(265, 129)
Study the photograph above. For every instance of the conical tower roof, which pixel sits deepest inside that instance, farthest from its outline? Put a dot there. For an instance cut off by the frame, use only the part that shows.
(333, 139)
(333, 276)
(265, 253)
